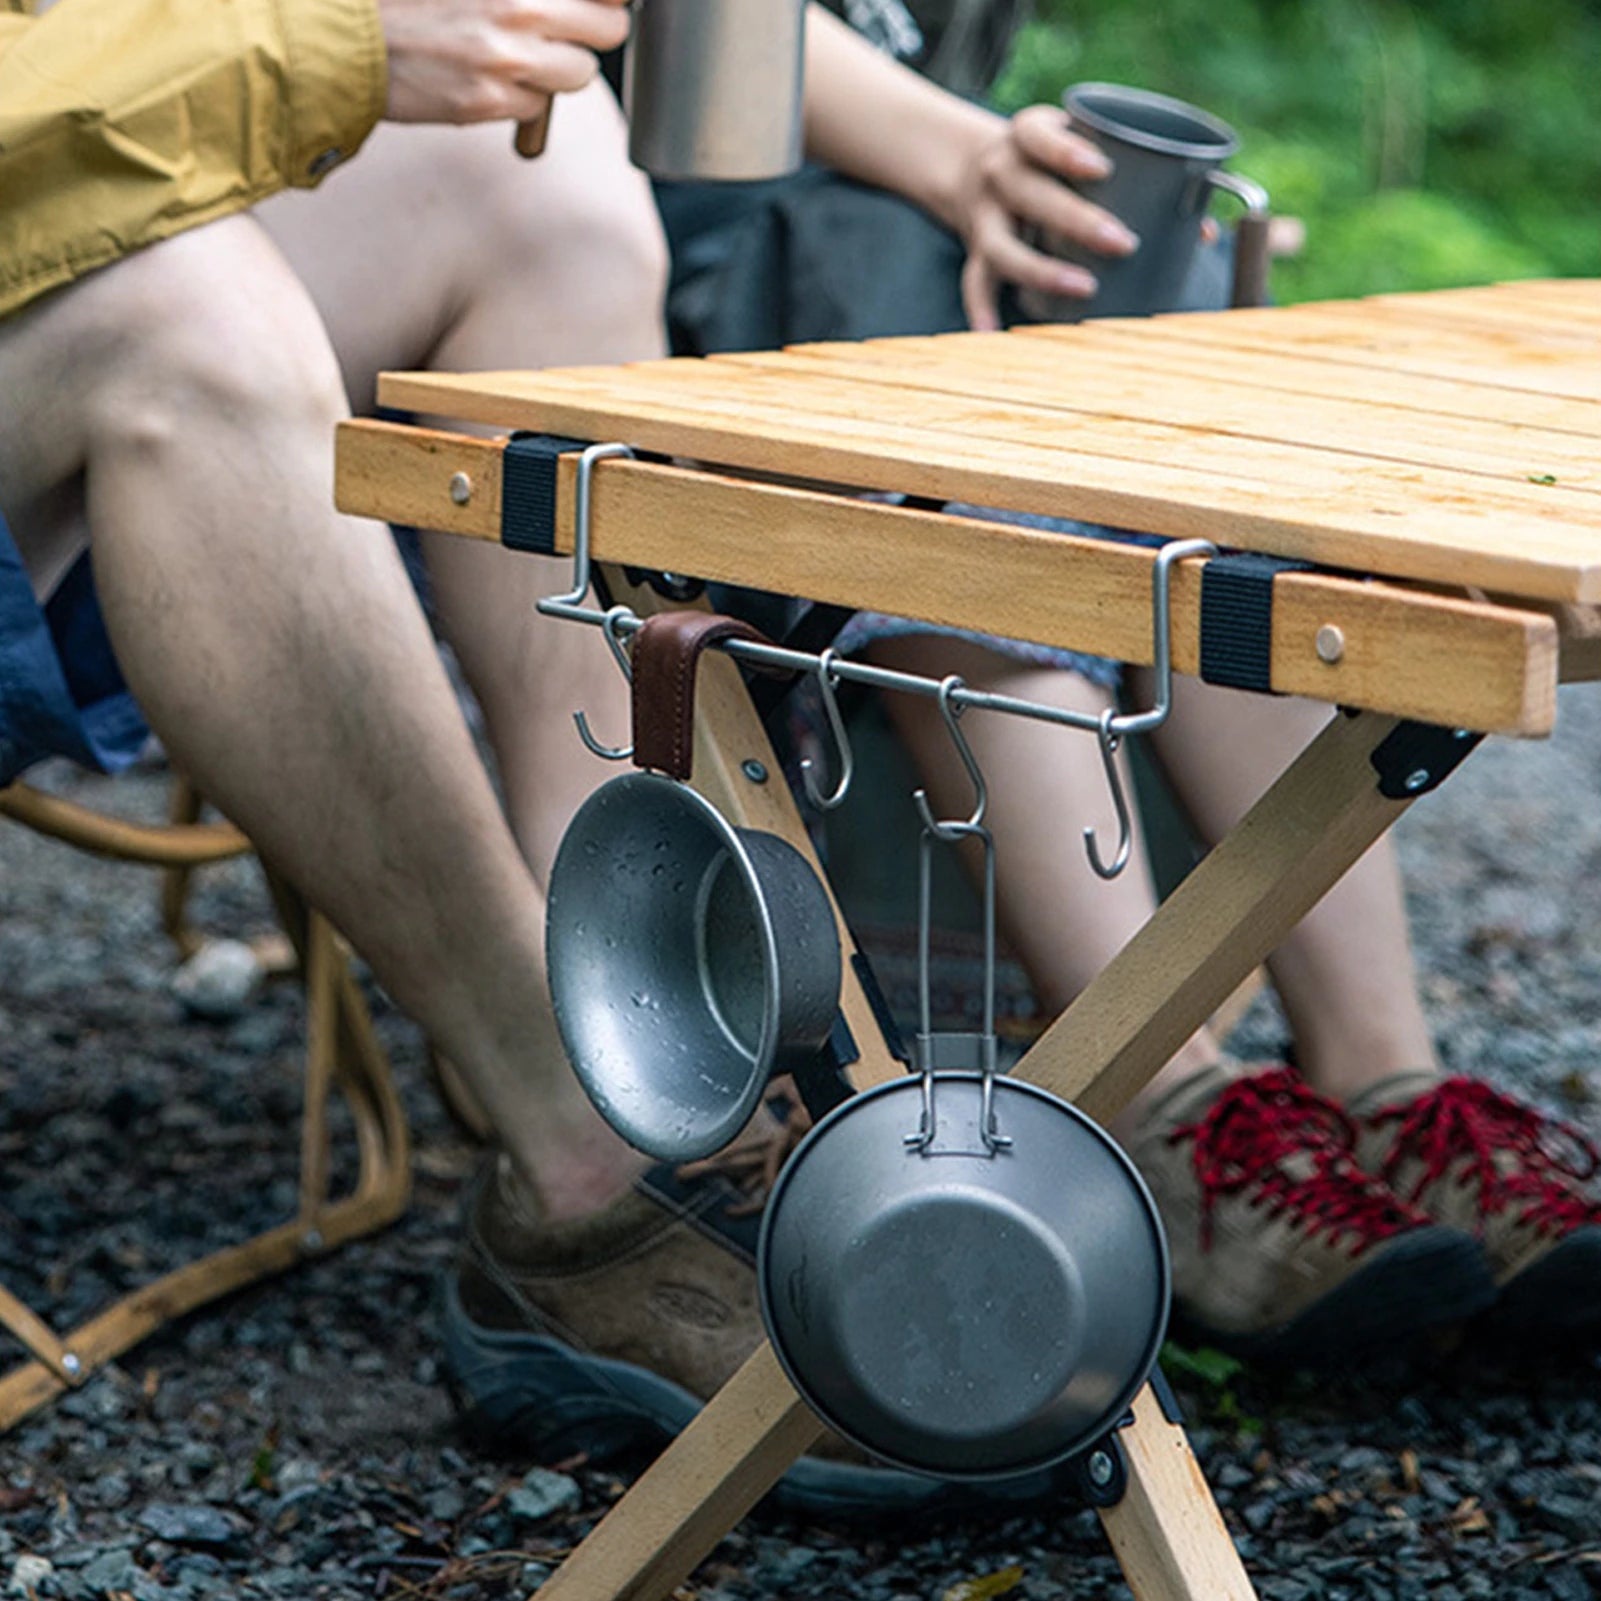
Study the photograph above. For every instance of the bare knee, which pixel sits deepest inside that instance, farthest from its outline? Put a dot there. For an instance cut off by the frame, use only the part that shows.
(572, 241)
(209, 335)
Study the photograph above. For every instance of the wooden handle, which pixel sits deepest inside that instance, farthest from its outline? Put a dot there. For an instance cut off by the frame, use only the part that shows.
(1251, 260)
(531, 135)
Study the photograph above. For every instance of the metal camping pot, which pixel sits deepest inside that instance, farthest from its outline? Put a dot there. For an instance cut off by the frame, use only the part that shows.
(965, 1308)
(960, 1272)
(688, 961)
(712, 88)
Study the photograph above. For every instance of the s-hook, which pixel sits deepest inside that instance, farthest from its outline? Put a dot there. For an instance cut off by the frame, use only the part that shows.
(609, 625)
(950, 710)
(842, 744)
(1109, 742)
(572, 605)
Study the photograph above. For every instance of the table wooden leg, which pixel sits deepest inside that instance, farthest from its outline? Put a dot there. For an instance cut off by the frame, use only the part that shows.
(734, 1451)
(1168, 1535)
(1292, 847)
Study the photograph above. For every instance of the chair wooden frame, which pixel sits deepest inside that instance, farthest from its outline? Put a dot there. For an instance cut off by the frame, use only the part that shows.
(343, 1053)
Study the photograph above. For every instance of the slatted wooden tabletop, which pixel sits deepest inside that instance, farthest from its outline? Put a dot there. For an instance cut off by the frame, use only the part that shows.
(1452, 437)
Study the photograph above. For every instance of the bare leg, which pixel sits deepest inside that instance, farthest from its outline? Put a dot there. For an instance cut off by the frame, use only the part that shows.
(180, 407)
(508, 264)
(1345, 975)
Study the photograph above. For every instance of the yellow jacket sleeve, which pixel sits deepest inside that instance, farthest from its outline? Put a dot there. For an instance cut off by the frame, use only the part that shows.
(126, 121)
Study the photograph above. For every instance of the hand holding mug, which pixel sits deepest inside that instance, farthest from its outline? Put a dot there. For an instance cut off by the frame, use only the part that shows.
(487, 60)
(1024, 184)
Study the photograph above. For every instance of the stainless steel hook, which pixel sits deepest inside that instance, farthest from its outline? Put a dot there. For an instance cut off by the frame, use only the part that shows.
(950, 711)
(1109, 741)
(609, 625)
(836, 722)
(571, 605)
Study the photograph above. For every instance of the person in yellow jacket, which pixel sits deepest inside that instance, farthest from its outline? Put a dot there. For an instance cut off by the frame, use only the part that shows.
(218, 222)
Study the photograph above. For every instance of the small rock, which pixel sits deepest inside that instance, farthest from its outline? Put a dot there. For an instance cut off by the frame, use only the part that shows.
(447, 1504)
(1571, 1516)
(1258, 1514)
(27, 1573)
(218, 981)
(1568, 1584)
(111, 1570)
(542, 1493)
(189, 1525)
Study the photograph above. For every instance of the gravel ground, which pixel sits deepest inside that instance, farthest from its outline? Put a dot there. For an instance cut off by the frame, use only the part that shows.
(296, 1440)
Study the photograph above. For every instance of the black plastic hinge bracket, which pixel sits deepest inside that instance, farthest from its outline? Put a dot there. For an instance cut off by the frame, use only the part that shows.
(528, 490)
(1237, 618)
(1414, 758)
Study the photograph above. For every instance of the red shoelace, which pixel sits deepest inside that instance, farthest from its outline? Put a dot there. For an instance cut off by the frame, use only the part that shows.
(1541, 1161)
(1266, 1120)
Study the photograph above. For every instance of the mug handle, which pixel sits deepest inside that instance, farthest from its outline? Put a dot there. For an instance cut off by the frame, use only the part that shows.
(1250, 237)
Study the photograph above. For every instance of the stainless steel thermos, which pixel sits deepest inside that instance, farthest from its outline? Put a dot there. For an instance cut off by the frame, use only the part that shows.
(713, 87)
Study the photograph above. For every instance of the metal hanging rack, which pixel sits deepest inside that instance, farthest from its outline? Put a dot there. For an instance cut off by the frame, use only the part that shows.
(1110, 727)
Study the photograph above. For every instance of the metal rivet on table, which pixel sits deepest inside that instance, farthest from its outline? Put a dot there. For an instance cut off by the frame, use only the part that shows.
(70, 1364)
(1417, 779)
(1330, 644)
(461, 488)
(311, 1240)
(1099, 1467)
(754, 770)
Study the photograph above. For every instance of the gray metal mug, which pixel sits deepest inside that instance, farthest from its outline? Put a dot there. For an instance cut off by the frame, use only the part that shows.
(1167, 158)
(712, 88)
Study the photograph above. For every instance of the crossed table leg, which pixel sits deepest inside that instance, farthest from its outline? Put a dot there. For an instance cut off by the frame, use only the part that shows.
(1222, 921)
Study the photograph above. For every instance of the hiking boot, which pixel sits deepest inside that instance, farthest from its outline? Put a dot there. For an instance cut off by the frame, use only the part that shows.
(607, 1333)
(1283, 1249)
(1476, 1159)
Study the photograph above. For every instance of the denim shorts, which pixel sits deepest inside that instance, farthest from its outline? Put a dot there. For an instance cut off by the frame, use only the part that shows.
(61, 692)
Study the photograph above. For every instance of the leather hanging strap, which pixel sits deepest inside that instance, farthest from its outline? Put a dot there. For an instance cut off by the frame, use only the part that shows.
(665, 653)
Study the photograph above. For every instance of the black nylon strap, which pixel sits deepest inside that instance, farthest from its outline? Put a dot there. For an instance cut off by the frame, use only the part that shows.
(528, 490)
(1237, 618)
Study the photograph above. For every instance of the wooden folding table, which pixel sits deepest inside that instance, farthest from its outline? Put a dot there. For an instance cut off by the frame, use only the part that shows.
(1423, 467)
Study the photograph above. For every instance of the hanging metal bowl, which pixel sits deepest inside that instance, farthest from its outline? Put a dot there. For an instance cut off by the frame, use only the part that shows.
(688, 961)
(971, 1307)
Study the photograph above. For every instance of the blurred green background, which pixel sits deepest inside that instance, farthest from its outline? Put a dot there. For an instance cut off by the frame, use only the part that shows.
(1424, 145)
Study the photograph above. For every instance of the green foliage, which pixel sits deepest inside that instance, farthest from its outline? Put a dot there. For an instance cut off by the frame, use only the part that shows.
(1424, 145)
(1210, 1376)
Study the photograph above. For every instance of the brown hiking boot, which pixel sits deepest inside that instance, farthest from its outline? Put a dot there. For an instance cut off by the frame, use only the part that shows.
(1282, 1247)
(609, 1332)
(1496, 1167)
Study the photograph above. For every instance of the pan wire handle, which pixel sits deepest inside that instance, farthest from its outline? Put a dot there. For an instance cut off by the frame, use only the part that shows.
(953, 831)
